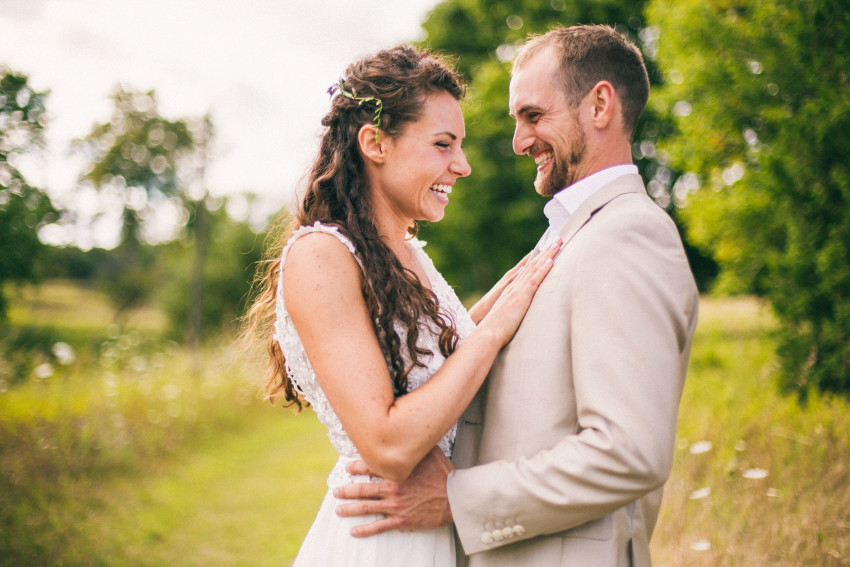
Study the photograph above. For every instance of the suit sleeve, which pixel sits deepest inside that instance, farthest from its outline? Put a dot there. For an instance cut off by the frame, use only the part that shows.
(633, 311)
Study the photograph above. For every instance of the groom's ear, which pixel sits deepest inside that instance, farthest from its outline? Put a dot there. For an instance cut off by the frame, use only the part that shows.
(603, 99)
(372, 144)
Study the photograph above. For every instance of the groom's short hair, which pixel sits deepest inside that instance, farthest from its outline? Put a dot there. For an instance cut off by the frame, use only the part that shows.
(593, 53)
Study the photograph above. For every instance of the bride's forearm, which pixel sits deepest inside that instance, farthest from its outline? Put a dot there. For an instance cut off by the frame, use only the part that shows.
(480, 309)
(415, 422)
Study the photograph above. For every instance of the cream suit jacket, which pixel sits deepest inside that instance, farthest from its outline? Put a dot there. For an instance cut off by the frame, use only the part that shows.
(563, 454)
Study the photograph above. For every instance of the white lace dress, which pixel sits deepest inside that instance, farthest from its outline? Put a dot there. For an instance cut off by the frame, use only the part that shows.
(328, 542)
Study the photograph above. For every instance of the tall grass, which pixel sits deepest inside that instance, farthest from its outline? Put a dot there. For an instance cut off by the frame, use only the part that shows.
(65, 435)
(137, 453)
(83, 403)
(758, 478)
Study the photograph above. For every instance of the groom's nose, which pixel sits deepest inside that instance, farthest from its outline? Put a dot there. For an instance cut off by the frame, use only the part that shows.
(523, 138)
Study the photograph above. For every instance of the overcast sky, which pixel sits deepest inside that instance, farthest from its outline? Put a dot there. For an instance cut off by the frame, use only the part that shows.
(260, 67)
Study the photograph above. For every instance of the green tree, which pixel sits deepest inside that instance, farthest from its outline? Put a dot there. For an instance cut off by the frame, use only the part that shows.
(495, 217)
(138, 155)
(23, 207)
(760, 97)
(233, 251)
(199, 228)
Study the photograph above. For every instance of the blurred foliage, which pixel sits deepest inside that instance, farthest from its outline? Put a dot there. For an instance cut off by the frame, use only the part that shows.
(199, 228)
(70, 262)
(23, 207)
(495, 216)
(48, 320)
(760, 96)
(232, 254)
(231, 257)
(136, 156)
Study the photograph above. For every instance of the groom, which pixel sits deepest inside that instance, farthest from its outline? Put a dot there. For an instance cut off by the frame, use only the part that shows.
(562, 457)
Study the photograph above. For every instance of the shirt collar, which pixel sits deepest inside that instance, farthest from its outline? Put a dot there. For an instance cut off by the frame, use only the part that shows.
(570, 198)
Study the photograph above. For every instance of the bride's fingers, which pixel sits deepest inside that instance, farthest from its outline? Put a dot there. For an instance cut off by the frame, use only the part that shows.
(540, 263)
(519, 266)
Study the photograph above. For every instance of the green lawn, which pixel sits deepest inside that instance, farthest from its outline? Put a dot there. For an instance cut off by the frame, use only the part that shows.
(140, 457)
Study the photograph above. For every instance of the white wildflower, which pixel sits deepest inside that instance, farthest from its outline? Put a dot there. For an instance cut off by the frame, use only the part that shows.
(701, 493)
(43, 371)
(64, 353)
(755, 474)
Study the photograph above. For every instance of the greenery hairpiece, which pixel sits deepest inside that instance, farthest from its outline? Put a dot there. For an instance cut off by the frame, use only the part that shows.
(379, 104)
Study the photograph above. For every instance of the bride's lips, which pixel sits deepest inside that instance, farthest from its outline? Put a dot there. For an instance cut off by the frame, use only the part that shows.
(441, 191)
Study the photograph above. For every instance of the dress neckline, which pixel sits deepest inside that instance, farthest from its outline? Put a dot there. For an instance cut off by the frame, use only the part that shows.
(415, 247)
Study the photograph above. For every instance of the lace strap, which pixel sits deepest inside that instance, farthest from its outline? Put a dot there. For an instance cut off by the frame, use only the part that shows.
(301, 231)
(318, 227)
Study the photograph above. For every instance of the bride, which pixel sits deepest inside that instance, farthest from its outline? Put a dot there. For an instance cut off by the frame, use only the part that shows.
(366, 330)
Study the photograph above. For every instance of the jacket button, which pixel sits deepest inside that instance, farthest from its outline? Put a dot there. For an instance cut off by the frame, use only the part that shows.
(507, 533)
(486, 538)
(518, 530)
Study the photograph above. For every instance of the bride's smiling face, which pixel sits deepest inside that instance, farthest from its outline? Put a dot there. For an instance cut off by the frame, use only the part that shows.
(421, 164)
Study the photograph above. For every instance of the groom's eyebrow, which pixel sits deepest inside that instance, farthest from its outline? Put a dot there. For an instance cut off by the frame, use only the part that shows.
(525, 109)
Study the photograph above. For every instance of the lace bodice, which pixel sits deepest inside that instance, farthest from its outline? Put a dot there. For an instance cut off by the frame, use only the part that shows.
(304, 378)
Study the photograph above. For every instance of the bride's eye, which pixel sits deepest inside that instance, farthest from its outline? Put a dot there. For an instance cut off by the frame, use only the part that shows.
(444, 145)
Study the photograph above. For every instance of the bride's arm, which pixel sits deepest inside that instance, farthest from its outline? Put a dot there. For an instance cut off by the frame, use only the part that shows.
(322, 292)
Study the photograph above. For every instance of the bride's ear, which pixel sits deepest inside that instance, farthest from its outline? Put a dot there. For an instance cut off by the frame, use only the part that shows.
(372, 145)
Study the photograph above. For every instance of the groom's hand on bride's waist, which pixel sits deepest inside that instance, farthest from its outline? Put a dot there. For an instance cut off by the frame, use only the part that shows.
(417, 503)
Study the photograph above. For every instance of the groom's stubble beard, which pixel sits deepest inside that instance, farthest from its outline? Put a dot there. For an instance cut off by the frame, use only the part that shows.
(564, 167)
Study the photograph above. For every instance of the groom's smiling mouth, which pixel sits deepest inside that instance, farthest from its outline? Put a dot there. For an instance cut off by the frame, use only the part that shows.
(543, 158)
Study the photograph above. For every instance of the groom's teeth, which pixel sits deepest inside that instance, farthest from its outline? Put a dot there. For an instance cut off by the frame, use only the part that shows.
(441, 188)
(543, 158)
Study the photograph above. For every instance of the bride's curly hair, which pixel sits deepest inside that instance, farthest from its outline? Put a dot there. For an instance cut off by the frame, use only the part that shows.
(337, 193)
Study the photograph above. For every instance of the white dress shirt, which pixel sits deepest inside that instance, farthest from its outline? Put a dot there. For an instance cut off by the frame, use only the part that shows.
(567, 200)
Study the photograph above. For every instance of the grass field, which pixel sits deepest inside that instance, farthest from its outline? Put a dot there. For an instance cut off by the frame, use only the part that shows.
(133, 455)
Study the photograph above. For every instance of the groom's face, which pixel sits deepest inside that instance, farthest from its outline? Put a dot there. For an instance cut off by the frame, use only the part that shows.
(548, 128)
